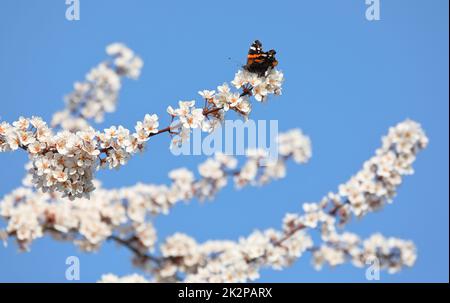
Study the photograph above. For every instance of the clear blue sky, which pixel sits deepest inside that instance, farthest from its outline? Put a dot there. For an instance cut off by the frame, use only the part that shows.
(347, 81)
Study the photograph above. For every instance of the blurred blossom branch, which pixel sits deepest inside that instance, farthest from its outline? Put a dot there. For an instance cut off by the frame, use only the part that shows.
(99, 92)
(369, 190)
(128, 210)
(60, 196)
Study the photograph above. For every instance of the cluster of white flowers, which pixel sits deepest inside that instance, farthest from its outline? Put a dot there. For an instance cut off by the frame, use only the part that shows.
(260, 168)
(260, 87)
(293, 143)
(370, 188)
(23, 223)
(228, 261)
(391, 253)
(214, 173)
(66, 161)
(124, 60)
(97, 218)
(187, 116)
(98, 94)
(376, 183)
(241, 261)
(30, 213)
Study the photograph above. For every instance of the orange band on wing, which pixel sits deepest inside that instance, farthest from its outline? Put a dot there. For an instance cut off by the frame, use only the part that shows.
(254, 56)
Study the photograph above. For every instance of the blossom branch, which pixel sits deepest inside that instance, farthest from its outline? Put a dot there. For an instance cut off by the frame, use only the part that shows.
(124, 213)
(66, 161)
(368, 190)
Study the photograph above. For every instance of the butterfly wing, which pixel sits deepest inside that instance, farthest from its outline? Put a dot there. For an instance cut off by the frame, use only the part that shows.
(259, 61)
(255, 53)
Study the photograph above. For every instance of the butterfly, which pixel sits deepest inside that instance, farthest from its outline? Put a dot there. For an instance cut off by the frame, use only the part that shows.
(258, 61)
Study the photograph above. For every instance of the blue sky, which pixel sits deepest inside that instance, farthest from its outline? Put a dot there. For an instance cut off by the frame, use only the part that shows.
(347, 81)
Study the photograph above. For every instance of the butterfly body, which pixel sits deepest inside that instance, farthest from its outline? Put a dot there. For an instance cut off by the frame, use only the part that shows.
(258, 61)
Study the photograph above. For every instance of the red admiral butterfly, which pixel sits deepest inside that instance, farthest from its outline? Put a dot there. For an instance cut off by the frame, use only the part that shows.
(260, 62)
